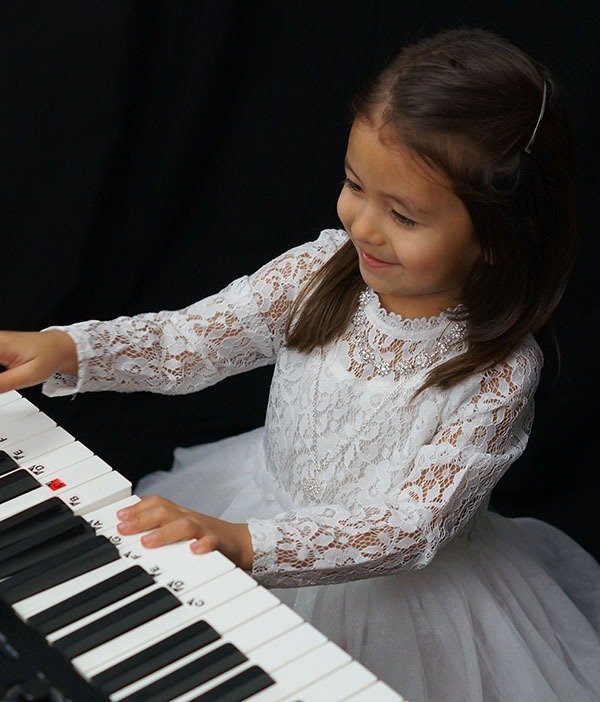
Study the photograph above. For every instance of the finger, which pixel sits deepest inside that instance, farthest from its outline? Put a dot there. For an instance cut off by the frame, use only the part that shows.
(181, 529)
(8, 354)
(156, 499)
(205, 544)
(16, 378)
(151, 517)
(146, 502)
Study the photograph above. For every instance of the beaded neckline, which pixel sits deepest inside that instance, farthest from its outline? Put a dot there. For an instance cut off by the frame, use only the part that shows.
(451, 336)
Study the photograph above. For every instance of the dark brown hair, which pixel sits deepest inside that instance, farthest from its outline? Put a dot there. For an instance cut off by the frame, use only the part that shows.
(466, 101)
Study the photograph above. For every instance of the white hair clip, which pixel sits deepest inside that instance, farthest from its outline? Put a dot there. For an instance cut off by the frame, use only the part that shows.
(542, 109)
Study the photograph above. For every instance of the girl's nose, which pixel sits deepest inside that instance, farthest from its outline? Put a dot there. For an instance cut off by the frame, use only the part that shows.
(365, 224)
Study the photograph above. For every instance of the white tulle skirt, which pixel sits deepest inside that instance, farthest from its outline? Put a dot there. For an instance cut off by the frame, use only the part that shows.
(510, 613)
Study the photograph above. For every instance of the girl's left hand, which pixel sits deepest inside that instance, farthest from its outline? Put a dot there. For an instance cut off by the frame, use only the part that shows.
(174, 523)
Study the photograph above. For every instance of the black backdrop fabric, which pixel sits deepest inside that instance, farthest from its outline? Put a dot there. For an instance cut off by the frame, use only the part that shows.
(154, 151)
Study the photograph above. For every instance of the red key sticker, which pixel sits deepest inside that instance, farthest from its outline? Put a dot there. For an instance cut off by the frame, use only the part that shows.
(56, 484)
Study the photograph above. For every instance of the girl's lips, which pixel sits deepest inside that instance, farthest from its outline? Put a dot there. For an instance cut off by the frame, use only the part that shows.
(374, 262)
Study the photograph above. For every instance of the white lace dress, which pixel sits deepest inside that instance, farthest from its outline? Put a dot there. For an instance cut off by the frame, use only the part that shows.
(368, 511)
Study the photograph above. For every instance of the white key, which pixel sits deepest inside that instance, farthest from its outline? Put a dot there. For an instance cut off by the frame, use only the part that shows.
(242, 609)
(286, 648)
(338, 686)
(73, 462)
(58, 485)
(129, 546)
(264, 628)
(50, 597)
(23, 502)
(9, 396)
(164, 562)
(198, 602)
(37, 446)
(97, 493)
(303, 671)
(13, 411)
(198, 569)
(24, 428)
(379, 692)
(78, 473)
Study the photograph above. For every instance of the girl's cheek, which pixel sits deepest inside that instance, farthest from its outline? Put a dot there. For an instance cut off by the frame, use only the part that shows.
(413, 260)
(344, 210)
(422, 259)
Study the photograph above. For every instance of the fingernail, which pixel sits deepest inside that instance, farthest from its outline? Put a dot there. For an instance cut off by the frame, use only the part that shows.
(122, 513)
(148, 540)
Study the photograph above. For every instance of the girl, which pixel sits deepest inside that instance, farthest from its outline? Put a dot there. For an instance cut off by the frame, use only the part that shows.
(405, 371)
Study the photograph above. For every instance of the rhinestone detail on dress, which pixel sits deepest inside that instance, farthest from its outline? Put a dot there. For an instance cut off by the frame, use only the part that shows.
(450, 338)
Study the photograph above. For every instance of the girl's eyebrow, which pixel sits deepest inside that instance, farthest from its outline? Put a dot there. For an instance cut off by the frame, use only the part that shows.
(403, 202)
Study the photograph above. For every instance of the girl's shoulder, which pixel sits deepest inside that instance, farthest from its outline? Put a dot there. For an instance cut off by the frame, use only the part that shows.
(296, 263)
(516, 376)
(526, 357)
(325, 245)
(332, 238)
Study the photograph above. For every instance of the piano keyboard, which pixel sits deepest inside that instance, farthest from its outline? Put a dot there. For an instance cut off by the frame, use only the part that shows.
(88, 615)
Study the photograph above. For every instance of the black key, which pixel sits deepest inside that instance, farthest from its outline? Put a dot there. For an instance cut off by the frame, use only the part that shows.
(159, 655)
(17, 483)
(39, 512)
(105, 593)
(76, 559)
(190, 676)
(7, 463)
(118, 622)
(62, 526)
(32, 528)
(238, 688)
(40, 546)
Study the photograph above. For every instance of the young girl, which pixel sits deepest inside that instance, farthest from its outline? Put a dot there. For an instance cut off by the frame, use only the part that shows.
(405, 371)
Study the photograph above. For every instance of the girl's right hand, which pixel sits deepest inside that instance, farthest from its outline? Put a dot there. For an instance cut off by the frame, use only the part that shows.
(30, 358)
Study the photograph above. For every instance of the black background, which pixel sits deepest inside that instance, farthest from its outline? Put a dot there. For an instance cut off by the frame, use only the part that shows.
(153, 151)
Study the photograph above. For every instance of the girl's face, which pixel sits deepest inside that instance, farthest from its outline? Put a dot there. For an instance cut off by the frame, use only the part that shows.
(413, 235)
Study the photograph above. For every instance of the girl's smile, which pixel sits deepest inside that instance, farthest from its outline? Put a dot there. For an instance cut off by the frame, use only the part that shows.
(373, 262)
(413, 235)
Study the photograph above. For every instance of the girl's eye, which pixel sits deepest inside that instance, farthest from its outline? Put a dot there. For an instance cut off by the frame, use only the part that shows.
(401, 219)
(405, 221)
(351, 185)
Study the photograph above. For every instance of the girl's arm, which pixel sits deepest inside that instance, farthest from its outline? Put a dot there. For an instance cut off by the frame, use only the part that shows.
(450, 479)
(176, 352)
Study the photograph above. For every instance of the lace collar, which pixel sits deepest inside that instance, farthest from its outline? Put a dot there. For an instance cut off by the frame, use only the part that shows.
(395, 324)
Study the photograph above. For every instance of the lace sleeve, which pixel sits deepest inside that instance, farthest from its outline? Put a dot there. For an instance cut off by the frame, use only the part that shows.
(450, 478)
(176, 352)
